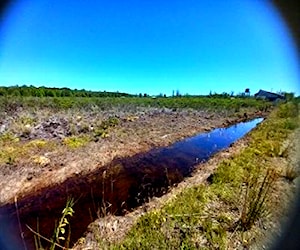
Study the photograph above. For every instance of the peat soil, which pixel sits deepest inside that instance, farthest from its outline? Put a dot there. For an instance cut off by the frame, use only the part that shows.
(136, 133)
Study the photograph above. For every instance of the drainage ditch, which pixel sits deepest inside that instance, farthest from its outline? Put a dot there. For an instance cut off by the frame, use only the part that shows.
(118, 187)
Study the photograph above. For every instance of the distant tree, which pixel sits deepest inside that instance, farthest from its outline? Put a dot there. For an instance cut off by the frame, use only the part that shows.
(145, 95)
(49, 92)
(2, 92)
(24, 91)
(289, 96)
(225, 95)
(54, 92)
(16, 92)
(40, 92)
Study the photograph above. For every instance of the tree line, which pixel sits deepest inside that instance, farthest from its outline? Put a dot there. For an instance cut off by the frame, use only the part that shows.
(55, 92)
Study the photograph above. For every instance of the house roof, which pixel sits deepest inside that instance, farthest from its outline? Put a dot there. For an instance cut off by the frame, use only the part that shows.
(268, 94)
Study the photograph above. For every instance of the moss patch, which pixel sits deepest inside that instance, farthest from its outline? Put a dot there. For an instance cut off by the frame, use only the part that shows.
(76, 141)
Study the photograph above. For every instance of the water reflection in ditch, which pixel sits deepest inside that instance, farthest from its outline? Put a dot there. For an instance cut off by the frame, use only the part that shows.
(118, 187)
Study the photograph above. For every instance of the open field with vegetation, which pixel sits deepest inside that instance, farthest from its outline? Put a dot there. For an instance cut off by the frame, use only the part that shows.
(233, 104)
(46, 140)
(43, 135)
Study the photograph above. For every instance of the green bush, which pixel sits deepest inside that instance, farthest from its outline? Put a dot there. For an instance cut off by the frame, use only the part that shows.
(288, 110)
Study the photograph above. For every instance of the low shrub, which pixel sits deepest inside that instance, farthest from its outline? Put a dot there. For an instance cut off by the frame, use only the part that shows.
(289, 109)
(76, 141)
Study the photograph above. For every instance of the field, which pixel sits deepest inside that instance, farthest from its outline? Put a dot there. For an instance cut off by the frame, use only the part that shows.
(66, 135)
(47, 140)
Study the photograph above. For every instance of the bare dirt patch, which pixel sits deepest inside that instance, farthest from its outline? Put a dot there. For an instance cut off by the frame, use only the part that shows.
(38, 164)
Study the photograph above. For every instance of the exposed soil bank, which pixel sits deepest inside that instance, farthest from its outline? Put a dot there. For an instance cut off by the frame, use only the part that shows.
(53, 163)
(116, 187)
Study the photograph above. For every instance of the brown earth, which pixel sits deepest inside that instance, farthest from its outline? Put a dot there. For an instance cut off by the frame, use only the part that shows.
(56, 162)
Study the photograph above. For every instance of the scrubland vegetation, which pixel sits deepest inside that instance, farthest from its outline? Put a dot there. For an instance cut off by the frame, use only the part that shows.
(64, 98)
(10, 104)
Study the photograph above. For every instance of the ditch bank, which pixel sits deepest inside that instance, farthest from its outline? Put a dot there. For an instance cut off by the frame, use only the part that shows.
(116, 188)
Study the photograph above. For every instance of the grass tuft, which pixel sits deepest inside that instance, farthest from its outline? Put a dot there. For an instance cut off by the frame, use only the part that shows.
(256, 196)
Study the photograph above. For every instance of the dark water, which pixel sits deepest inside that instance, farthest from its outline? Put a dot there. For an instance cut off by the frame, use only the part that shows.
(119, 186)
(204, 145)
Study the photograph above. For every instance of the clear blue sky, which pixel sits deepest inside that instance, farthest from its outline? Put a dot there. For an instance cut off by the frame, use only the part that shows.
(148, 46)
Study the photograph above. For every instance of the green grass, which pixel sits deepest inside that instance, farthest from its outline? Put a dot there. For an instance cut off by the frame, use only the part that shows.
(173, 227)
